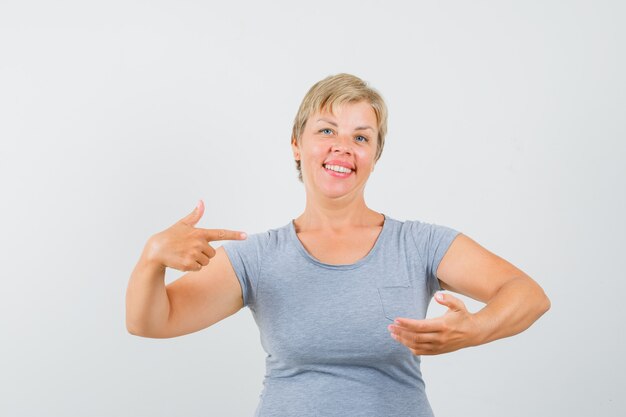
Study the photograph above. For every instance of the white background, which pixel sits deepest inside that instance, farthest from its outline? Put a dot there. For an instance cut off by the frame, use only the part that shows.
(507, 122)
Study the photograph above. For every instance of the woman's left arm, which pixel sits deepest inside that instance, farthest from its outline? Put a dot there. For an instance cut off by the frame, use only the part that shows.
(513, 300)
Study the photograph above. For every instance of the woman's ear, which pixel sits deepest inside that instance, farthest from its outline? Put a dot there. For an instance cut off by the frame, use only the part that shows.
(295, 149)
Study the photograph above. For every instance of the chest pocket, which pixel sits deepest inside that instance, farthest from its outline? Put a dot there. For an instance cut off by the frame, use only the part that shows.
(398, 301)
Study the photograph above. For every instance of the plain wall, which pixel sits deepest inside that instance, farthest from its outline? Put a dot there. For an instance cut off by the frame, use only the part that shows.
(507, 122)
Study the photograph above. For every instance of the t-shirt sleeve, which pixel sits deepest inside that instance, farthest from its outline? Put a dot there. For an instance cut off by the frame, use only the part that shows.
(246, 258)
(432, 241)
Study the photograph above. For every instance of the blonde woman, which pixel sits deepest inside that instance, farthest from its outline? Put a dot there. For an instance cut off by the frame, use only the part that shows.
(339, 293)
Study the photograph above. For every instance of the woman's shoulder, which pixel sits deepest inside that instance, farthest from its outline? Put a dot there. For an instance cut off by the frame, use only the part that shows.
(418, 227)
(267, 237)
(415, 221)
(402, 224)
(275, 232)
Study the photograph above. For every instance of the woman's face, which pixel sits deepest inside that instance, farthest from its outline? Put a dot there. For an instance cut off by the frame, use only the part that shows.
(337, 151)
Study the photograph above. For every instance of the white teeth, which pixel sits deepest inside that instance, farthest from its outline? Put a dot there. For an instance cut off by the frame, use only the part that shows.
(338, 168)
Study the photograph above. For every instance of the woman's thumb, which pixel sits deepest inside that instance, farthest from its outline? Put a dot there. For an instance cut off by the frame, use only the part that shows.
(192, 218)
(449, 301)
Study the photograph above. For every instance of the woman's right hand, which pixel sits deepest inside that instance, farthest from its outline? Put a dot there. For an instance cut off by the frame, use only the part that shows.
(185, 247)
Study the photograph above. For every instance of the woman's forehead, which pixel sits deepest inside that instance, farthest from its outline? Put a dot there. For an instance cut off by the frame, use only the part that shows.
(360, 111)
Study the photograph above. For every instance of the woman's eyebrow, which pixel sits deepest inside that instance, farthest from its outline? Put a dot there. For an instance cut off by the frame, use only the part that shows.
(327, 121)
(335, 124)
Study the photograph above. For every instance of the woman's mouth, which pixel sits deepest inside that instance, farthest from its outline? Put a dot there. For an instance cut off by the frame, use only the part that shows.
(337, 170)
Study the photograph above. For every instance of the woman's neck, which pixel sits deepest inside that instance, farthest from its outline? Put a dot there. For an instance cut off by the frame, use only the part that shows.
(332, 215)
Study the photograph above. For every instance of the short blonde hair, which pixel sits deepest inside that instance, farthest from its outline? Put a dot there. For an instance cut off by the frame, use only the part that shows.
(336, 90)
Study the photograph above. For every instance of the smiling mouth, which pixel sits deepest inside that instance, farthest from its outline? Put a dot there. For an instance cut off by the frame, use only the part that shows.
(337, 170)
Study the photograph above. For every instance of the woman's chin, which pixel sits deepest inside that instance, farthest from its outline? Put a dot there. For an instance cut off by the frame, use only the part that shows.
(330, 187)
(335, 190)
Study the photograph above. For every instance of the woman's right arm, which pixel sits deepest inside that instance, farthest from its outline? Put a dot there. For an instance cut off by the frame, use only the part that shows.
(147, 304)
(195, 301)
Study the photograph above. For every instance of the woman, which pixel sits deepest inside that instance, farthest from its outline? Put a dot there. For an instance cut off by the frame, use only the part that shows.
(340, 293)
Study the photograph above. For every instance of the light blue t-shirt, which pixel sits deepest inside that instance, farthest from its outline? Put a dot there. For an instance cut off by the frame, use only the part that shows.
(324, 327)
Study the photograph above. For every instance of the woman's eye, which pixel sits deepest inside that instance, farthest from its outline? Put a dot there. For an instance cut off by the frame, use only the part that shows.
(326, 131)
(362, 137)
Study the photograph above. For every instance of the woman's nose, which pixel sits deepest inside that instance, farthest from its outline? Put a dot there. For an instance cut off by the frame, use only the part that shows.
(342, 145)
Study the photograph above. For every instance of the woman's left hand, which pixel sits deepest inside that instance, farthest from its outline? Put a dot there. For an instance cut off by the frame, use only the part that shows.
(456, 329)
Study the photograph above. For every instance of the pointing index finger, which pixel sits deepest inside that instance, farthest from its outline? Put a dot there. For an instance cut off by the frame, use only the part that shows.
(222, 234)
